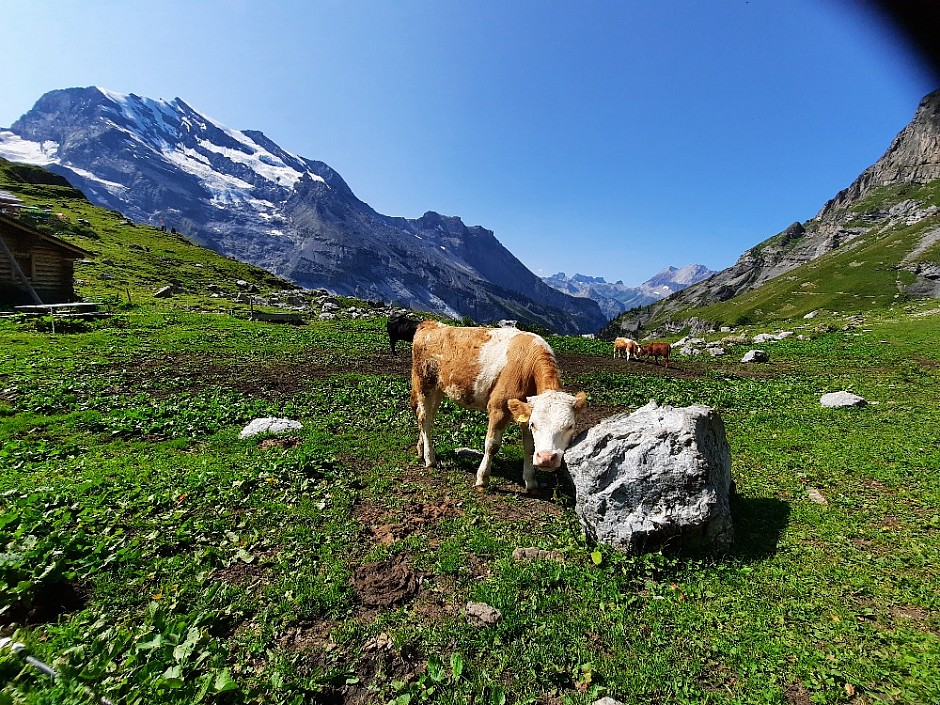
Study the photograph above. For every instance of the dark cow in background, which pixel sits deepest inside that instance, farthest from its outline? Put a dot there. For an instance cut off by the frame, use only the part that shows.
(401, 326)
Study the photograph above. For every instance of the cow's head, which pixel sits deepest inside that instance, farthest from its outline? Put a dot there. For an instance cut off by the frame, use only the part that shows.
(551, 417)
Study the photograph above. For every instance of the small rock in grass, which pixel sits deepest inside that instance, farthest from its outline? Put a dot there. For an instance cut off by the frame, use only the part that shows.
(532, 554)
(468, 453)
(755, 356)
(269, 424)
(483, 615)
(817, 496)
(841, 399)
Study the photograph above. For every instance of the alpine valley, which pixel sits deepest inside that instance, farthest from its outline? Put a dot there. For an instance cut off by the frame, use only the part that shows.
(164, 164)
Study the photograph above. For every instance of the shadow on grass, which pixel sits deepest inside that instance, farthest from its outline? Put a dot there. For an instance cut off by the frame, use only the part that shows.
(759, 522)
(551, 483)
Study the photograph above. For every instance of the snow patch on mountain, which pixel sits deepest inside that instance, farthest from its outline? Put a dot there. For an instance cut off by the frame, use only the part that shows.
(111, 186)
(16, 149)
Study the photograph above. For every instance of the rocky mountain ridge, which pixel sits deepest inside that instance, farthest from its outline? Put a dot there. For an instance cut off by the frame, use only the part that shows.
(912, 159)
(616, 297)
(237, 192)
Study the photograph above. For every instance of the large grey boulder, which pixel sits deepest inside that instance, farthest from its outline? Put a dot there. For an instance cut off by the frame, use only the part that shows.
(660, 476)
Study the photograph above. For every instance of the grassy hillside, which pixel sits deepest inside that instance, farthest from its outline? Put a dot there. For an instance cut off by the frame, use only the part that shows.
(128, 258)
(862, 275)
(154, 556)
(866, 273)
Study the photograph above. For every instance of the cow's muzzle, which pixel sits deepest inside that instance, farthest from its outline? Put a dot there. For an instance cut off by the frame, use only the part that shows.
(547, 459)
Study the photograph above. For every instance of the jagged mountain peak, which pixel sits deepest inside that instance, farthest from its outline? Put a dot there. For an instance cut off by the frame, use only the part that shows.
(241, 194)
(912, 157)
(677, 278)
(615, 298)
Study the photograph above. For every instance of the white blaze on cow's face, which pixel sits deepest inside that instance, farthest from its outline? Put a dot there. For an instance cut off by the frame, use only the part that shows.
(552, 417)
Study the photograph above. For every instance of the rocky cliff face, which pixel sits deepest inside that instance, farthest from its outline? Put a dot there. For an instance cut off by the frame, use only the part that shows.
(237, 192)
(912, 159)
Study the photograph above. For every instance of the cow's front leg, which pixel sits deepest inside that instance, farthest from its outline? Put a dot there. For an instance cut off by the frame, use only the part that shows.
(528, 468)
(494, 438)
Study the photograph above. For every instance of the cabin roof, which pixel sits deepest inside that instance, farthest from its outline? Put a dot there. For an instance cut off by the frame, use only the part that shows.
(69, 250)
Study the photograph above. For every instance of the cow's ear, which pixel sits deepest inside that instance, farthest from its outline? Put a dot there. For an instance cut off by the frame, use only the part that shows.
(580, 401)
(520, 410)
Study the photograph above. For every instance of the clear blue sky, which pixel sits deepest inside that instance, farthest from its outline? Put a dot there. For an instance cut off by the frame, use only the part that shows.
(606, 137)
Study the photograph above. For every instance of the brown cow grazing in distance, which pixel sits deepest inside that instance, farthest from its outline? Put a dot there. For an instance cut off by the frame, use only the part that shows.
(510, 374)
(657, 350)
(626, 347)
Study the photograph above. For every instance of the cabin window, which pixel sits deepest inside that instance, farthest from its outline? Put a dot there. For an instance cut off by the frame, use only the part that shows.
(26, 265)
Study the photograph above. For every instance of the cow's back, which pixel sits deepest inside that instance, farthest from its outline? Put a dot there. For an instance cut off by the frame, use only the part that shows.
(471, 364)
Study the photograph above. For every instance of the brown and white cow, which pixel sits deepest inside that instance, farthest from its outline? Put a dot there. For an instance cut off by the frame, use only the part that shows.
(626, 347)
(657, 350)
(510, 374)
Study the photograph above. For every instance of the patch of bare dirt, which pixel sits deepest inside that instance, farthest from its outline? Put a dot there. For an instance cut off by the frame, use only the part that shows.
(915, 614)
(247, 574)
(281, 442)
(797, 694)
(926, 362)
(390, 526)
(47, 603)
(265, 378)
(435, 601)
(307, 636)
(385, 583)
(572, 364)
(528, 508)
(239, 573)
(381, 661)
(420, 504)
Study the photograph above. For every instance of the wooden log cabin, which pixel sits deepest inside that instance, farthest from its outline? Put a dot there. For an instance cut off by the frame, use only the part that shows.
(34, 265)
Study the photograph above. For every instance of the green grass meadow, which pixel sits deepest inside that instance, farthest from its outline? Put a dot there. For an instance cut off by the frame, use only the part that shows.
(152, 556)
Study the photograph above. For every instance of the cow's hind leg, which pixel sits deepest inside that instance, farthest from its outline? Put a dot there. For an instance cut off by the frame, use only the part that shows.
(494, 438)
(426, 408)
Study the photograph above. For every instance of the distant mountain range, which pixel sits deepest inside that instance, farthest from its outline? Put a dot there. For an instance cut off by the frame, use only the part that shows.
(615, 298)
(237, 192)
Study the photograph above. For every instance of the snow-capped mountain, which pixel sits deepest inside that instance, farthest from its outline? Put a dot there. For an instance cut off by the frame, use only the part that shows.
(237, 192)
(615, 298)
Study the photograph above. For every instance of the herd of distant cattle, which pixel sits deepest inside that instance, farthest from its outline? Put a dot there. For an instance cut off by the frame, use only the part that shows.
(511, 374)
